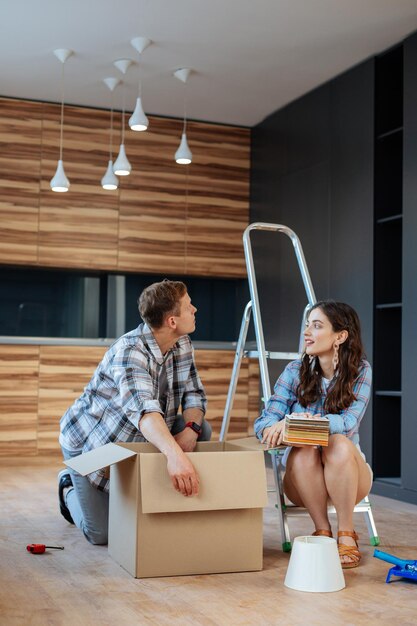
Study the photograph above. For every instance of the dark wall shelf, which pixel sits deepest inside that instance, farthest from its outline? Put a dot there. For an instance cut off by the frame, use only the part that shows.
(388, 255)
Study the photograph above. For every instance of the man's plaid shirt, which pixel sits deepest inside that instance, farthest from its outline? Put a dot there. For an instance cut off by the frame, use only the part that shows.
(124, 386)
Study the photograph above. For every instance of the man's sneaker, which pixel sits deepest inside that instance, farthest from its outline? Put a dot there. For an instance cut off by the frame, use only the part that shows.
(64, 481)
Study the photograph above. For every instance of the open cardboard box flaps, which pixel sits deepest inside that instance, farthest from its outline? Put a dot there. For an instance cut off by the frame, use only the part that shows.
(156, 531)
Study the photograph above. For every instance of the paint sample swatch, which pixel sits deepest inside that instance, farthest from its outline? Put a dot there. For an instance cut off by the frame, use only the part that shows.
(305, 430)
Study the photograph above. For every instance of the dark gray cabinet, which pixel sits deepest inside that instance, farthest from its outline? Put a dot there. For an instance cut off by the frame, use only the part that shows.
(339, 166)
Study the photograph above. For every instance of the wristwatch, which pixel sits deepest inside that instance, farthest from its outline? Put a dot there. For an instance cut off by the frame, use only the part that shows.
(197, 428)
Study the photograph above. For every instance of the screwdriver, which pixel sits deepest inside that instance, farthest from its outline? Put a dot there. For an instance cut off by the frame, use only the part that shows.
(39, 548)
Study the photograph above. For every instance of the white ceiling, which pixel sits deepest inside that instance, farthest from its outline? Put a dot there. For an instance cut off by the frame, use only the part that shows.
(251, 56)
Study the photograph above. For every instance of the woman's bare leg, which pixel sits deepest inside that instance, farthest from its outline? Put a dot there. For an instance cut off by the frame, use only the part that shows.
(304, 484)
(347, 479)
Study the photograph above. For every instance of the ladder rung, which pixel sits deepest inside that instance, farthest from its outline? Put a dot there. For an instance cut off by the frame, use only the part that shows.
(280, 356)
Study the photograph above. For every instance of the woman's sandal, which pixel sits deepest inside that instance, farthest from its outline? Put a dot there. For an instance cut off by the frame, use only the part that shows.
(322, 533)
(351, 552)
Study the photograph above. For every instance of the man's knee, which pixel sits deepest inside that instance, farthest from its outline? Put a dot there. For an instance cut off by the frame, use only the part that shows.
(97, 536)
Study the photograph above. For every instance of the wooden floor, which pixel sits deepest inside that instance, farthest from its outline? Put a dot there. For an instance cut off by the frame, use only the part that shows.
(81, 585)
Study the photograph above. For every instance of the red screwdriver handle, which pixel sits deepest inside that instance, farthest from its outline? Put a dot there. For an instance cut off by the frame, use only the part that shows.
(39, 548)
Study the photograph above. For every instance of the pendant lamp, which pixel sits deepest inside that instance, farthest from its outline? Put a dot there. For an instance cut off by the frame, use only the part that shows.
(138, 120)
(60, 182)
(122, 166)
(183, 155)
(110, 180)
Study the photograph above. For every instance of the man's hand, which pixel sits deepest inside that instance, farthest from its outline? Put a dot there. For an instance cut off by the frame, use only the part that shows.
(182, 473)
(180, 469)
(186, 439)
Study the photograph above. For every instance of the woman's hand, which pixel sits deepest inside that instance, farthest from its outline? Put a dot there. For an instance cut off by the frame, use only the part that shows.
(272, 435)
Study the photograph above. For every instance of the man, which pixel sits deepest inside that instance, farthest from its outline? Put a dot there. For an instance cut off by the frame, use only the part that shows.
(134, 395)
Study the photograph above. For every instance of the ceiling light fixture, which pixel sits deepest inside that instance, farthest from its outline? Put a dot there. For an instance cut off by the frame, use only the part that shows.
(122, 166)
(60, 182)
(138, 119)
(110, 180)
(183, 155)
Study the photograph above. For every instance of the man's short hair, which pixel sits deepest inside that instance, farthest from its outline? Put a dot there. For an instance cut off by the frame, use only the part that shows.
(159, 300)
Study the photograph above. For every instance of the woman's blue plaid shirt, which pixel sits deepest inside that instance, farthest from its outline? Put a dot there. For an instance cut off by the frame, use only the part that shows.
(284, 401)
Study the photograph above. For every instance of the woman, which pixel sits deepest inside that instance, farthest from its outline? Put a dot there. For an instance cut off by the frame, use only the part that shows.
(332, 379)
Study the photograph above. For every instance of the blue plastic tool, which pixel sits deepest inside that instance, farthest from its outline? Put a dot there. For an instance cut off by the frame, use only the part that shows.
(403, 568)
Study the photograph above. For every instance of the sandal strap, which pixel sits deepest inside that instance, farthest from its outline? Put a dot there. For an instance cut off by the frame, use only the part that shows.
(348, 533)
(350, 551)
(323, 533)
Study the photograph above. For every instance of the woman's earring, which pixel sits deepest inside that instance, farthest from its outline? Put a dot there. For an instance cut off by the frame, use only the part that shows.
(335, 356)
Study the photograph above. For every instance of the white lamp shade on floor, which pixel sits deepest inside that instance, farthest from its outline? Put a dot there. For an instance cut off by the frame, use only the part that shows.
(121, 165)
(60, 182)
(314, 565)
(183, 155)
(138, 119)
(110, 180)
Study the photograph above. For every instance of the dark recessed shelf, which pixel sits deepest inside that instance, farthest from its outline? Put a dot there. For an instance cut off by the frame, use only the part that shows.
(389, 305)
(392, 394)
(399, 129)
(388, 133)
(391, 218)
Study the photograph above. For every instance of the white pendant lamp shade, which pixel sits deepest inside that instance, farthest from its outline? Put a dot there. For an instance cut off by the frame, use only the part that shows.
(110, 180)
(138, 119)
(183, 155)
(121, 165)
(60, 182)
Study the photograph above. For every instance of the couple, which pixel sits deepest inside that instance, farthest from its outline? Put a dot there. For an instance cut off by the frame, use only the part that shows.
(136, 392)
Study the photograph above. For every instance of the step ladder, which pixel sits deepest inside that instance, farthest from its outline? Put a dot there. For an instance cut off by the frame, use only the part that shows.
(284, 508)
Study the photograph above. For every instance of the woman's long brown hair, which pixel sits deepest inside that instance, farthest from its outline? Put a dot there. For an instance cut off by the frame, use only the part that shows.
(340, 395)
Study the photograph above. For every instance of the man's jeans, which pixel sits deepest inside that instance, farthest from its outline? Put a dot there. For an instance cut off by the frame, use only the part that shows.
(89, 507)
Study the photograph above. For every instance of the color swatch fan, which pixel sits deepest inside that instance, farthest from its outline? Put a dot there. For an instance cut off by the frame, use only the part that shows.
(304, 430)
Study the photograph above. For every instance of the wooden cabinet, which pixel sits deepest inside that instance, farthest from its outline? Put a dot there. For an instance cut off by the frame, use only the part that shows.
(217, 202)
(19, 371)
(64, 371)
(152, 227)
(20, 158)
(38, 384)
(164, 217)
(77, 228)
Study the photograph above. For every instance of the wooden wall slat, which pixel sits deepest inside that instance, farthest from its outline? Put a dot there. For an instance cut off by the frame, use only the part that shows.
(218, 200)
(215, 370)
(20, 157)
(152, 202)
(163, 218)
(18, 400)
(38, 384)
(78, 228)
(63, 374)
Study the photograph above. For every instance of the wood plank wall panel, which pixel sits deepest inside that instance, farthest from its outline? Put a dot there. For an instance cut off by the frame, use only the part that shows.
(38, 384)
(215, 370)
(164, 217)
(218, 200)
(20, 157)
(18, 400)
(64, 371)
(152, 201)
(78, 228)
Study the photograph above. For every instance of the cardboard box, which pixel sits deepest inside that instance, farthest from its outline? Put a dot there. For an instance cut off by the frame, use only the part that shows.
(156, 531)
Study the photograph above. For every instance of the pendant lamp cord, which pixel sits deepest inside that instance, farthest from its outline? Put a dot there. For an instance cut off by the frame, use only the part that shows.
(111, 129)
(62, 113)
(140, 77)
(123, 113)
(185, 107)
